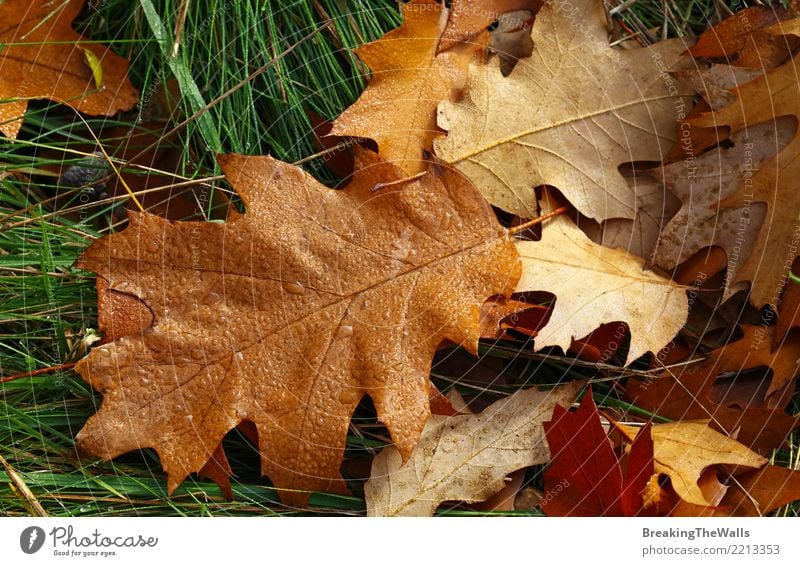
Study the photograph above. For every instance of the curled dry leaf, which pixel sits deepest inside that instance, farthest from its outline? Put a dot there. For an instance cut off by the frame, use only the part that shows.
(753, 493)
(595, 285)
(567, 116)
(50, 62)
(683, 450)
(288, 315)
(465, 458)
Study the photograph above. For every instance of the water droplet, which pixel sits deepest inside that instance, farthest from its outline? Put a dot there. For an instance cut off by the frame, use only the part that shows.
(239, 356)
(345, 331)
(447, 221)
(294, 287)
(348, 396)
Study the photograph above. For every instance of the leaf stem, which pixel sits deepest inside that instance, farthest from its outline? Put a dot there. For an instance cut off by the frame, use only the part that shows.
(37, 372)
(380, 186)
(539, 220)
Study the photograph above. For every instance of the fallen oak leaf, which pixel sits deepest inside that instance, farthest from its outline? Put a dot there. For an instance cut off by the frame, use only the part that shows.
(561, 118)
(683, 450)
(715, 83)
(742, 41)
(584, 477)
(43, 57)
(762, 425)
(788, 309)
(503, 500)
(752, 493)
(654, 208)
(511, 39)
(468, 18)
(287, 315)
(764, 99)
(641, 492)
(465, 458)
(496, 311)
(596, 285)
(409, 78)
(702, 182)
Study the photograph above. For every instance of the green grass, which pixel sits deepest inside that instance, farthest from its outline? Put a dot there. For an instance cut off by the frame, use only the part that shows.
(246, 75)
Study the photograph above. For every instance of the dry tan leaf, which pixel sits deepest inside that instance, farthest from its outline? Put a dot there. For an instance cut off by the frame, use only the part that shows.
(594, 285)
(703, 182)
(775, 94)
(654, 207)
(683, 450)
(468, 18)
(511, 39)
(49, 61)
(288, 315)
(465, 458)
(398, 108)
(567, 116)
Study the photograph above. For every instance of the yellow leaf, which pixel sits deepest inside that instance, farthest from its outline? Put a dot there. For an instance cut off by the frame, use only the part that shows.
(683, 450)
(595, 285)
(95, 65)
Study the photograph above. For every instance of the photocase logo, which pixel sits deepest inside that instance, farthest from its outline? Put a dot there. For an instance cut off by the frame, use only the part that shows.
(31, 540)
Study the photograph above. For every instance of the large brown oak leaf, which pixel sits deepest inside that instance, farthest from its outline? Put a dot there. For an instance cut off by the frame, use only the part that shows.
(288, 315)
(41, 56)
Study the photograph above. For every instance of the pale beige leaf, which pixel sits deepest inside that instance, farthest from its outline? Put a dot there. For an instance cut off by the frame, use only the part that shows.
(683, 450)
(465, 458)
(774, 94)
(654, 207)
(703, 182)
(567, 116)
(594, 285)
(511, 39)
